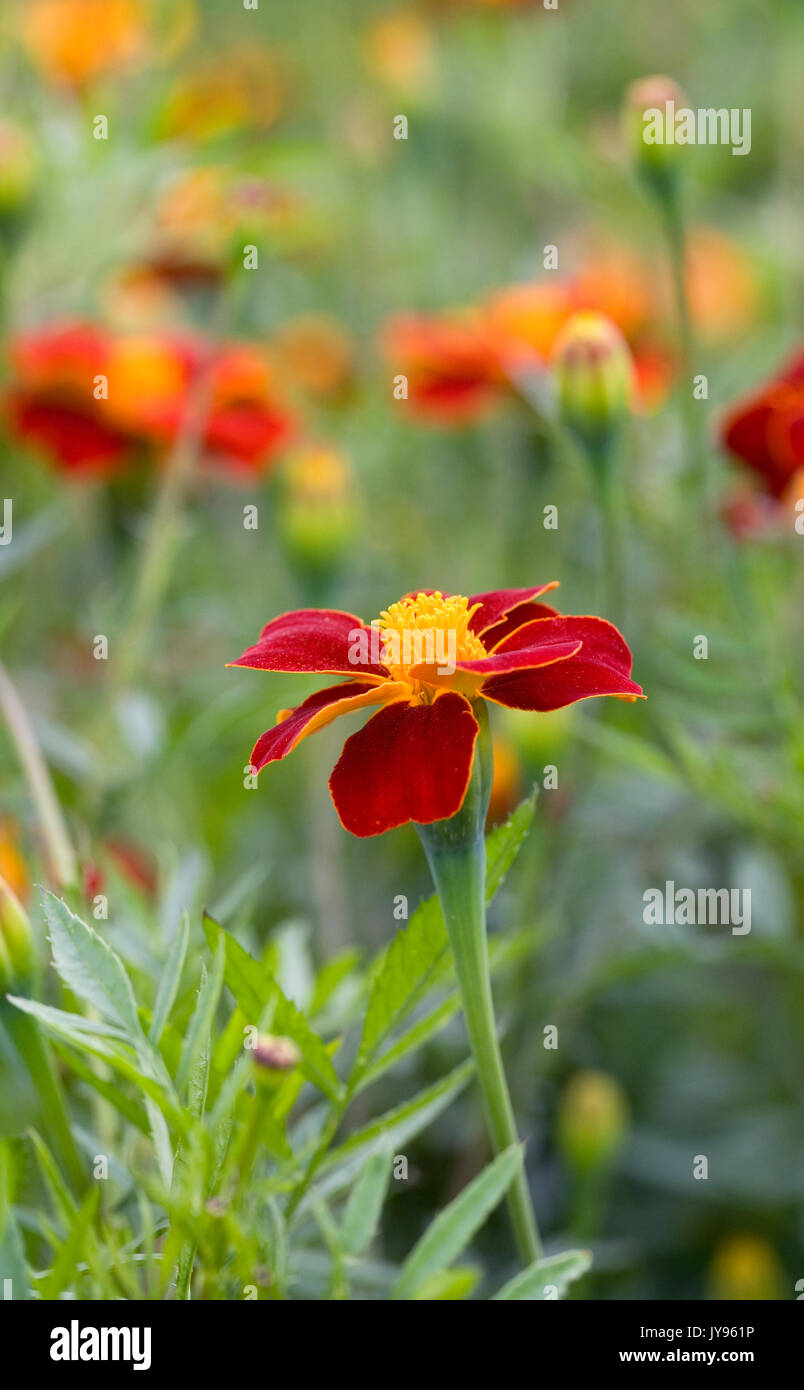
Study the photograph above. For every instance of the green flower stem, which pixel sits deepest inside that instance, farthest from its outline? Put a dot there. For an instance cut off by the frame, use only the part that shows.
(456, 853)
(698, 456)
(164, 530)
(605, 463)
(60, 852)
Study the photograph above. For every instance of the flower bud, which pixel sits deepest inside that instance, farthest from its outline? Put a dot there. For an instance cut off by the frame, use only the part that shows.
(592, 1120)
(650, 107)
(594, 376)
(274, 1058)
(17, 954)
(318, 511)
(746, 1267)
(17, 169)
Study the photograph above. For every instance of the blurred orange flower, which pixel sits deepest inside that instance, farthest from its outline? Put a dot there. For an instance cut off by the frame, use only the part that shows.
(722, 285)
(506, 784)
(315, 353)
(12, 864)
(461, 363)
(72, 42)
(450, 363)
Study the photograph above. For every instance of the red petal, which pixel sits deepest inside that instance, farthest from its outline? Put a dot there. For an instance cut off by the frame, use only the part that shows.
(525, 613)
(409, 763)
(311, 640)
(497, 602)
(316, 711)
(520, 659)
(602, 667)
(248, 434)
(70, 436)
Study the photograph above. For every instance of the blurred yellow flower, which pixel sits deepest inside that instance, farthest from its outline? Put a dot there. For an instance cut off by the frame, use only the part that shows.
(398, 49)
(17, 167)
(592, 1120)
(746, 1267)
(238, 89)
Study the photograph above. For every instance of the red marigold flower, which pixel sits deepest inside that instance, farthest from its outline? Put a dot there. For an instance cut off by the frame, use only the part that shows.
(51, 403)
(55, 403)
(427, 661)
(766, 430)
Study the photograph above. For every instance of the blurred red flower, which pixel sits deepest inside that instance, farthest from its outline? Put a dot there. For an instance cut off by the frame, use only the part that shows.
(765, 430)
(90, 399)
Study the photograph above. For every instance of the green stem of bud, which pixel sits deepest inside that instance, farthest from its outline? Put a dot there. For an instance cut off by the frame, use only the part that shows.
(456, 853)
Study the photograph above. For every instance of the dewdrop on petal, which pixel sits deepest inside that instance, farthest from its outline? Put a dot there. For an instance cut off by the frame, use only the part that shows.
(594, 377)
(17, 955)
(592, 1120)
(274, 1057)
(656, 160)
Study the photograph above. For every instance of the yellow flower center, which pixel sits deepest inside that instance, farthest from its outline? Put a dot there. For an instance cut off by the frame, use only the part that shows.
(428, 629)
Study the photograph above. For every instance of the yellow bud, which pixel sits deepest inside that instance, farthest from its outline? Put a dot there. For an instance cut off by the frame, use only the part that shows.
(650, 105)
(17, 954)
(594, 376)
(17, 168)
(592, 1120)
(274, 1058)
(318, 511)
(746, 1267)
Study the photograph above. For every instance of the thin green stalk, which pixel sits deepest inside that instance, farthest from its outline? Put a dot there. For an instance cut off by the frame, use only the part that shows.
(605, 465)
(456, 853)
(698, 455)
(164, 529)
(51, 822)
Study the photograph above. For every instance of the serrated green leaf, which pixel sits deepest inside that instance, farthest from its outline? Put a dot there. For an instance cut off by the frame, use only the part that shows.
(391, 1130)
(419, 952)
(407, 970)
(60, 1196)
(546, 1279)
(200, 1027)
(245, 977)
(110, 1091)
(363, 1209)
(455, 1226)
(73, 1250)
(170, 979)
(255, 990)
(89, 967)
